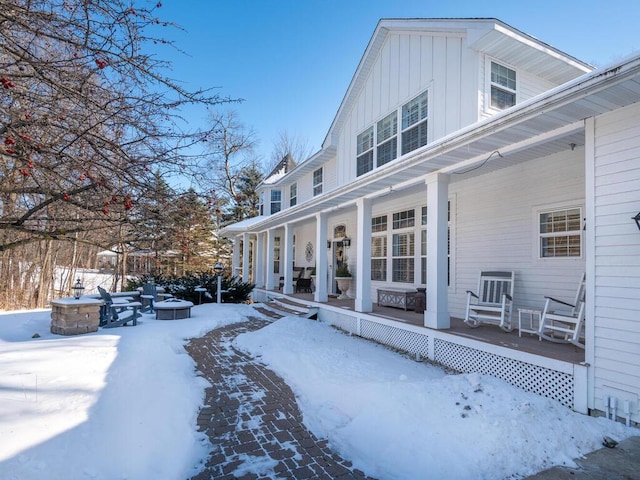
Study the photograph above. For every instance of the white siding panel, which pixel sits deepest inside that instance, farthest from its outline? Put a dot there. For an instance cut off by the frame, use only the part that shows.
(426, 62)
(617, 250)
(404, 65)
(453, 82)
(415, 64)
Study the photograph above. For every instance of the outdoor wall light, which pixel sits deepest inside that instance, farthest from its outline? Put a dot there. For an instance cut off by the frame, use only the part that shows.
(637, 219)
(346, 241)
(77, 289)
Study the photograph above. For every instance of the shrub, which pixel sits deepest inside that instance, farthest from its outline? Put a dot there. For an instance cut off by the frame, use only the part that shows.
(233, 290)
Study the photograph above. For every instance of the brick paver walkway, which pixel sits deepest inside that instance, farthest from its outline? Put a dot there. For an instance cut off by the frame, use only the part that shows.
(252, 418)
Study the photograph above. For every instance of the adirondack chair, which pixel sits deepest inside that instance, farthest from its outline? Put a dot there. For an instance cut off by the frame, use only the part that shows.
(567, 325)
(148, 296)
(492, 302)
(116, 314)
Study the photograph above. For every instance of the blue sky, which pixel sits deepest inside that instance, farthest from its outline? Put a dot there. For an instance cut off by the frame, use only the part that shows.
(292, 61)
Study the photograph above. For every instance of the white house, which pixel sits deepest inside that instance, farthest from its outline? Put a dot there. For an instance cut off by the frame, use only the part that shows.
(457, 145)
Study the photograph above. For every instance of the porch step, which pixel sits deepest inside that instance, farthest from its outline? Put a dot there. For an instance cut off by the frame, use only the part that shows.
(278, 307)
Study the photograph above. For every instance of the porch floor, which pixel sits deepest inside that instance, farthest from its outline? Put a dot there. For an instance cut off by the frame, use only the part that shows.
(487, 333)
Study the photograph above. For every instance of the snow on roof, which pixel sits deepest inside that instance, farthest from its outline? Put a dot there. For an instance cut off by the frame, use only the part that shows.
(242, 225)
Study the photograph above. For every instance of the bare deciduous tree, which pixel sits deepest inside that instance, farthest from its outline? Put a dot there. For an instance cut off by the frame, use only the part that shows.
(290, 144)
(87, 118)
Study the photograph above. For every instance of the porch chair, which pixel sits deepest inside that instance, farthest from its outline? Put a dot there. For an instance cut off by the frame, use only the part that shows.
(297, 273)
(565, 326)
(116, 314)
(303, 284)
(492, 302)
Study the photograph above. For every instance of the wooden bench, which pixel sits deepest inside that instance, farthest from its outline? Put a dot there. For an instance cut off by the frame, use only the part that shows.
(397, 297)
(173, 309)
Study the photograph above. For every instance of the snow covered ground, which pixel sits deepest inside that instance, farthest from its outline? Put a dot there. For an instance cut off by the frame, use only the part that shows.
(122, 404)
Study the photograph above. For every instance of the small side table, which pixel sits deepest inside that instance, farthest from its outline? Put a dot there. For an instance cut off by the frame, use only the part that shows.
(528, 321)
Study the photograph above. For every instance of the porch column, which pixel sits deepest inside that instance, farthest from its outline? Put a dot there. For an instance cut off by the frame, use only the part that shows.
(437, 313)
(246, 249)
(363, 268)
(258, 260)
(288, 259)
(320, 295)
(235, 259)
(270, 284)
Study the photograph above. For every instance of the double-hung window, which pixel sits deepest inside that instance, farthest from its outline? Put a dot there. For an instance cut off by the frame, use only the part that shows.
(403, 247)
(276, 201)
(364, 159)
(317, 182)
(379, 248)
(261, 203)
(293, 195)
(386, 133)
(414, 123)
(560, 233)
(503, 86)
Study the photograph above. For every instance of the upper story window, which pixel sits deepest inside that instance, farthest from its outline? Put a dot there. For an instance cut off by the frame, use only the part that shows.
(276, 201)
(503, 86)
(378, 144)
(386, 130)
(364, 158)
(414, 123)
(317, 182)
(261, 203)
(293, 195)
(560, 233)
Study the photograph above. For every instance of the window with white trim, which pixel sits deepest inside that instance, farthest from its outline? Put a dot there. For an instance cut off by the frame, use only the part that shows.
(317, 182)
(560, 233)
(379, 248)
(261, 203)
(414, 123)
(378, 144)
(276, 254)
(276, 201)
(386, 133)
(293, 195)
(403, 247)
(364, 158)
(503, 86)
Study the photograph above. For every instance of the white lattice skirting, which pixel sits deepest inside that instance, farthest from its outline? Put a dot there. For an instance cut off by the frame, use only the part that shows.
(561, 381)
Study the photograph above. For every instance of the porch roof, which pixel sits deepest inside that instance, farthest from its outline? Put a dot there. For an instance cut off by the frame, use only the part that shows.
(546, 124)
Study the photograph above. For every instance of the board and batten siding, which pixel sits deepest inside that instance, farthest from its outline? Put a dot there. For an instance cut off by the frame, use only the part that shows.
(496, 229)
(616, 264)
(408, 64)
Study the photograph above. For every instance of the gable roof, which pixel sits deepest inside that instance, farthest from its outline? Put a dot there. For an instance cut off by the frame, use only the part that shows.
(283, 167)
(489, 35)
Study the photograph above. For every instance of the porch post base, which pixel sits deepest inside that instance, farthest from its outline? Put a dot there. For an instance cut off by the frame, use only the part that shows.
(363, 306)
(437, 320)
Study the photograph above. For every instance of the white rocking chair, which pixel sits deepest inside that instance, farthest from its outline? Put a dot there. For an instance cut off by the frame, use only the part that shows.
(492, 302)
(564, 326)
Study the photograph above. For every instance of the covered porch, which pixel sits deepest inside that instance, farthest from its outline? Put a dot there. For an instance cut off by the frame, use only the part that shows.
(553, 370)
